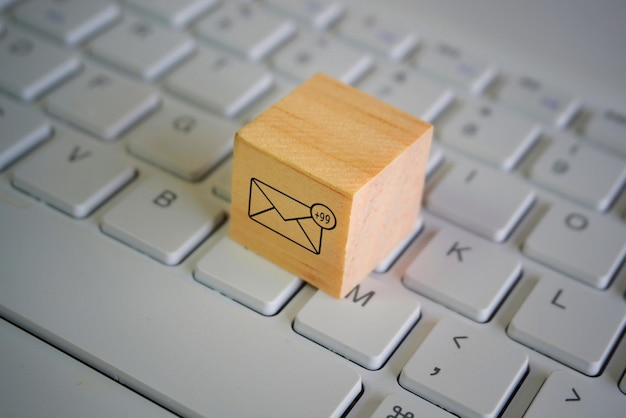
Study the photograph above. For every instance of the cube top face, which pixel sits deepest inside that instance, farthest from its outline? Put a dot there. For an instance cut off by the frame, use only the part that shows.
(335, 133)
(327, 182)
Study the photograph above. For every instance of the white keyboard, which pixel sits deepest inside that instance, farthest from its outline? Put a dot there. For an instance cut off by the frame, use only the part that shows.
(122, 295)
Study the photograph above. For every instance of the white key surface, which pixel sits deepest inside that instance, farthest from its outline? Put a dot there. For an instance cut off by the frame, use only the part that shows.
(559, 316)
(320, 14)
(488, 132)
(467, 371)
(608, 128)
(402, 406)
(564, 236)
(246, 277)
(366, 326)
(487, 202)
(455, 66)
(163, 218)
(464, 272)
(539, 101)
(22, 128)
(73, 173)
(159, 316)
(222, 181)
(565, 394)
(69, 21)
(246, 29)
(179, 13)
(101, 102)
(408, 90)
(381, 32)
(141, 48)
(39, 380)
(310, 53)
(183, 140)
(31, 66)
(229, 85)
(564, 168)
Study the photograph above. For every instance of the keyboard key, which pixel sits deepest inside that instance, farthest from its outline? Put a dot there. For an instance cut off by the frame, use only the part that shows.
(463, 272)
(246, 277)
(320, 14)
(564, 169)
(183, 140)
(222, 181)
(246, 29)
(381, 32)
(408, 90)
(484, 201)
(279, 91)
(228, 85)
(22, 128)
(157, 331)
(69, 21)
(539, 101)
(565, 394)
(488, 132)
(452, 65)
(179, 13)
(608, 128)
(59, 385)
(141, 48)
(73, 173)
(30, 66)
(366, 326)
(563, 240)
(311, 53)
(102, 103)
(468, 372)
(163, 219)
(559, 316)
(402, 406)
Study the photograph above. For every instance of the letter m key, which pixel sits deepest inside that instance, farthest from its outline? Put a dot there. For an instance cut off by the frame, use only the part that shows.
(356, 298)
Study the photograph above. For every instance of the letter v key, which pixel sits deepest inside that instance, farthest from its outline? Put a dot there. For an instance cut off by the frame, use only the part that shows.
(77, 154)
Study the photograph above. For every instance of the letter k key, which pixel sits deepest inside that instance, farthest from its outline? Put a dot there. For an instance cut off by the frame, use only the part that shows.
(458, 250)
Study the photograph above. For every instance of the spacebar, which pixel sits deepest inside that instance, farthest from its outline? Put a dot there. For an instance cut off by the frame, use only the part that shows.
(155, 332)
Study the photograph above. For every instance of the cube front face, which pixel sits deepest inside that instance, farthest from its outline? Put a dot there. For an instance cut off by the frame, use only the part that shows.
(327, 181)
(284, 216)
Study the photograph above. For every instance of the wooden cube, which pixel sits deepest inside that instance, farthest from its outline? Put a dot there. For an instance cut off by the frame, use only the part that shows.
(327, 182)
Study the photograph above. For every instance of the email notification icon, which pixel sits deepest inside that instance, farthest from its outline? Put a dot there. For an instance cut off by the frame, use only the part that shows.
(288, 217)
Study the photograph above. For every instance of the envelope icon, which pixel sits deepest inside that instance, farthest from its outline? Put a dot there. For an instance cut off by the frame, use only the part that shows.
(284, 215)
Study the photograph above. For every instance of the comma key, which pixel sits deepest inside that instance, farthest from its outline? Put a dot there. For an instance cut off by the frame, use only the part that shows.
(463, 356)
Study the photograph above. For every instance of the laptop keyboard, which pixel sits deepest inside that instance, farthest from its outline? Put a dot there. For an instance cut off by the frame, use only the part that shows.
(115, 155)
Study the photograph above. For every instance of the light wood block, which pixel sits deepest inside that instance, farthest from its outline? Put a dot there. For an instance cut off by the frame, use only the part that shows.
(328, 181)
